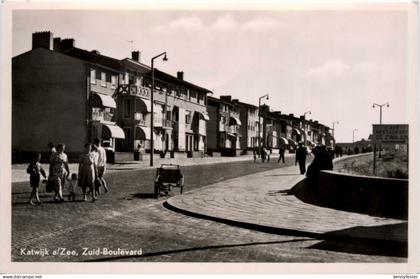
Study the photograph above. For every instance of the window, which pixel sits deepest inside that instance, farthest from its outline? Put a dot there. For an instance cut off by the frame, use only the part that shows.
(126, 78)
(113, 81)
(193, 94)
(127, 108)
(188, 117)
(103, 79)
(92, 76)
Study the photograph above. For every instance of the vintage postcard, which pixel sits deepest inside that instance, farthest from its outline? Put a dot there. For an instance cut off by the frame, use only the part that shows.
(240, 137)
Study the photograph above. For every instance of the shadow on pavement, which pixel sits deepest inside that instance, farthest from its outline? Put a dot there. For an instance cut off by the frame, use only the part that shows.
(161, 253)
(144, 196)
(367, 246)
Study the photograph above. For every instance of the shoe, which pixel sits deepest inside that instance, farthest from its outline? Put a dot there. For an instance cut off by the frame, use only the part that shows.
(31, 203)
(38, 203)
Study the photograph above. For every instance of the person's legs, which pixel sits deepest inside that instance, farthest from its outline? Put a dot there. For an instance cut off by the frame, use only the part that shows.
(60, 188)
(84, 193)
(36, 195)
(302, 167)
(32, 196)
(101, 172)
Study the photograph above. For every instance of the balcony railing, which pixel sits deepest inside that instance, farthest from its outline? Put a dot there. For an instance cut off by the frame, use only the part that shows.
(134, 90)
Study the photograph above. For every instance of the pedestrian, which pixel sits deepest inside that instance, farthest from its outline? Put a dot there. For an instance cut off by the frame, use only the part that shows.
(301, 154)
(87, 172)
(101, 164)
(72, 184)
(263, 154)
(59, 167)
(51, 147)
(281, 154)
(35, 170)
(96, 183)
(254, 152)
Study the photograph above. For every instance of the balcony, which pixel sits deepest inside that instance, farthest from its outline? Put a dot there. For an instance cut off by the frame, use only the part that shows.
(101, 116)
(134, 90)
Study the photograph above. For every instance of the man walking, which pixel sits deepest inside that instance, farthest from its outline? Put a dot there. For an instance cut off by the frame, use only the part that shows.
(301, 158)
(101, 165)
(281, 153)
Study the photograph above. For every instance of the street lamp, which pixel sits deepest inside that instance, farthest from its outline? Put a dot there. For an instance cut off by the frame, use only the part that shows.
(304, 125)
(259, 122)
(380, 121)
(151, 101)
(354, 130)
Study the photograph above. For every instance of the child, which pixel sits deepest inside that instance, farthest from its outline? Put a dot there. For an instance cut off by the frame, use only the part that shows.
(72, 186)
(35, 171)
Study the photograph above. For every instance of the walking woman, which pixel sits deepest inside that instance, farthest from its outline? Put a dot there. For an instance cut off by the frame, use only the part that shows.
(59, 167)
(87, 172)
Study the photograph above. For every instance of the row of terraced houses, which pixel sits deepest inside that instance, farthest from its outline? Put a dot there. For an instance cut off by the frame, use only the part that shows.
(61, 93)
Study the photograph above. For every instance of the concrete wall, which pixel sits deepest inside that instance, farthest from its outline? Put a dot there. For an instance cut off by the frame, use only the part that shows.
(376, 196)
(49, 101)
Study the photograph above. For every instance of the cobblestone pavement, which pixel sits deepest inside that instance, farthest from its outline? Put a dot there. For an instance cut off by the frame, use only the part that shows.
(127, 218)
(264, 200)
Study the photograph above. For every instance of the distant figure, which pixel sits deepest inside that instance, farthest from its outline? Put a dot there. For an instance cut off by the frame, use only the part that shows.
(322, 161)
(263, 154)
(35, 171)
(254, 152)
(52, 147)
(301, 154)
(281, 154)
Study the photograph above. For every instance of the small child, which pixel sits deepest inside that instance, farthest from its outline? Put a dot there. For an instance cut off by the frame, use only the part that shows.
(72, 186)
(35, 171)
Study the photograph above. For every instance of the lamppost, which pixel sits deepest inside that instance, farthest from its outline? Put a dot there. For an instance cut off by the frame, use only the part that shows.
(380, 121)
(151, 101)
(354, 130)
(304, 126)
(259, 122)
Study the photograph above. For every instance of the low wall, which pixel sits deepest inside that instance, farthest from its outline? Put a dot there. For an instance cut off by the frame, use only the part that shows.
(385, 197)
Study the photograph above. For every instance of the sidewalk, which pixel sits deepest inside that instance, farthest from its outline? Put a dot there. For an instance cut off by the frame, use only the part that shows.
(19, 170)
(261, 201)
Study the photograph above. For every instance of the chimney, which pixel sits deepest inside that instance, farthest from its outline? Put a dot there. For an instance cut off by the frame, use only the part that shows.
(42, 39)
(57, 44)
(291, 115)
(180, 75)
(135, 55)
(67, 44)
(226, 98)
(95, 52)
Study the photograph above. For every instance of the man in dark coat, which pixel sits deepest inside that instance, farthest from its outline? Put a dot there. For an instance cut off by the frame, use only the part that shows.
(301, 158)
(281, 153)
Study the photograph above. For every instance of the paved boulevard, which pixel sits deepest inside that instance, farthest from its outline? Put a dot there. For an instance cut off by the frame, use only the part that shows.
(129, 218)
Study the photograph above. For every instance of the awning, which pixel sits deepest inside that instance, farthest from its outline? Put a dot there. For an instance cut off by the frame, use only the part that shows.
(297, 131)
(105, 100)
(292, 142)
(114, 131)
(284, 140)
(142, 133)
(234, 121)
(143, 105)
(204, 115)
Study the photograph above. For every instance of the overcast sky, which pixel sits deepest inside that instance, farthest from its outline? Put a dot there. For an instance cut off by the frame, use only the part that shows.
(334, 63)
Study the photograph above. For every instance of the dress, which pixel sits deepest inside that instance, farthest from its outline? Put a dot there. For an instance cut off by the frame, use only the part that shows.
(58, 174)
(87, 170)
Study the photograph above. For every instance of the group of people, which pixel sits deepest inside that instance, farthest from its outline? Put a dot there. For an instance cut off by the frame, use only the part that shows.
(322, 160)
(92, 167)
